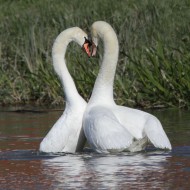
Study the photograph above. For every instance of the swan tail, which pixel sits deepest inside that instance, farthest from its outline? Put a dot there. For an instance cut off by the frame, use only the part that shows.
(156, 134)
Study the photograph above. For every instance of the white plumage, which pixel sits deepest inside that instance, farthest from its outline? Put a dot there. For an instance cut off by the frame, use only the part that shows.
(67, 134)
(104, 132)
(107, 126)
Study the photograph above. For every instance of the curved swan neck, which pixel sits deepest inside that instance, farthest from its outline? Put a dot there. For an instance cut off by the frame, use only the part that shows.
(103, 88)
(59, 62)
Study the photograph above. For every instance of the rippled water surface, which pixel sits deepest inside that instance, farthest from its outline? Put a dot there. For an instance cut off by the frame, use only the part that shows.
(23, 167)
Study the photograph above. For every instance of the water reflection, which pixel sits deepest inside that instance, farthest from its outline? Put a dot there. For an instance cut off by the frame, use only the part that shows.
(107, 171)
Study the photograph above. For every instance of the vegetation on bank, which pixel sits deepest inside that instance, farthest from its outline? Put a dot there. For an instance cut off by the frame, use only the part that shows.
(154, 61)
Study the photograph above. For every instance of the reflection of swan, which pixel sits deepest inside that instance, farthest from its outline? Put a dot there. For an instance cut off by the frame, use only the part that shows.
(92, 171)
(109, 127)
(115, 168)
(66, 135)
(66, 171)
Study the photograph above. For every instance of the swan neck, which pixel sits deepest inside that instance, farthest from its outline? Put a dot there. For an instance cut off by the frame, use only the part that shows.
(103, 88)
(60, 67)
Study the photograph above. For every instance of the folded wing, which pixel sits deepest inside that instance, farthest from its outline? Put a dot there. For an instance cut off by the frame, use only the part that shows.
(104, 132)
(156, 134)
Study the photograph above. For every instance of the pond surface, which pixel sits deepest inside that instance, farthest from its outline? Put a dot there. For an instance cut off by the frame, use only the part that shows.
(23, 167)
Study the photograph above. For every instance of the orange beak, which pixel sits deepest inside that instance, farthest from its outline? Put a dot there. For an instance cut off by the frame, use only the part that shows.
(89, 47)
(86, 48)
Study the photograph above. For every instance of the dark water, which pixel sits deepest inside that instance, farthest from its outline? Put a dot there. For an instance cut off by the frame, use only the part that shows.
(23, 167)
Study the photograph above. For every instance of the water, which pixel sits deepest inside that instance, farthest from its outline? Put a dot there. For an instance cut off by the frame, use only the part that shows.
(23, 167)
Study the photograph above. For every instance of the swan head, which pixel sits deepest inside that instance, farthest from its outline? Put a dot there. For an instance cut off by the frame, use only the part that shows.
(82, 39)
(103, 30)
(90, 45)
(64, 38)
(77, 35)
(99, 29)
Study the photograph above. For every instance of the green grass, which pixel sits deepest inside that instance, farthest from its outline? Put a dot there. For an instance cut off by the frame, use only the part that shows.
(154, 60)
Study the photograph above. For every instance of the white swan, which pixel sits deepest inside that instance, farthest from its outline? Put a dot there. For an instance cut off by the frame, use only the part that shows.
(107, 126)
(67, 134)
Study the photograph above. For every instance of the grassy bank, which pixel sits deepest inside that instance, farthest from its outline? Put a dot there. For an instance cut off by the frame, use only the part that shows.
(154, 63)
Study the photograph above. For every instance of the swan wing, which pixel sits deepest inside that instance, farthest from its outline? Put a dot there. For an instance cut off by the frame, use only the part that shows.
(64, 135)
(132, 119)
(140, 123)
(156, 134)
(104, 133)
